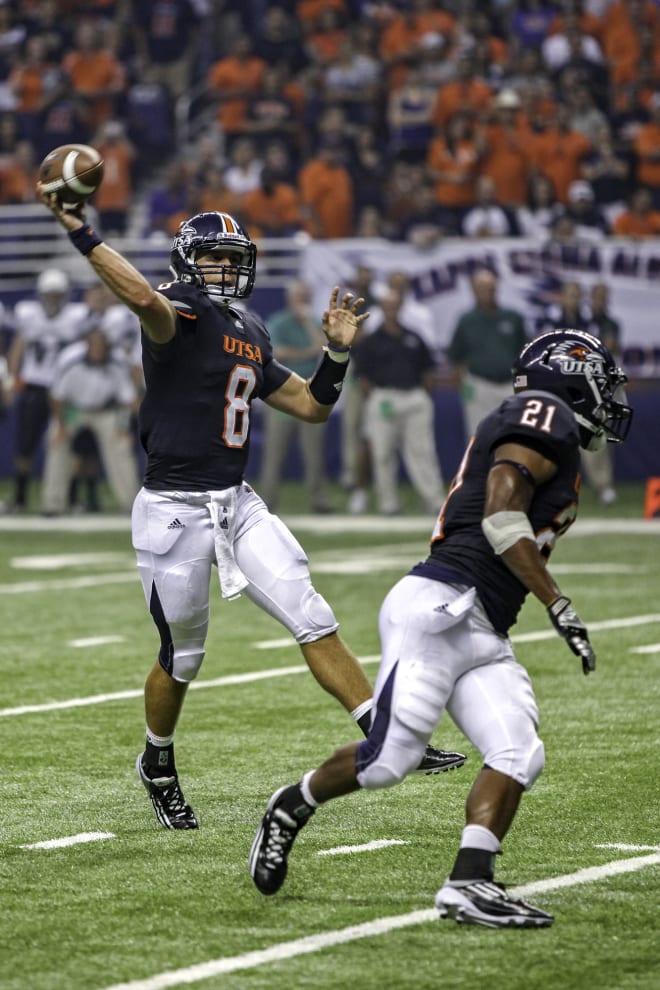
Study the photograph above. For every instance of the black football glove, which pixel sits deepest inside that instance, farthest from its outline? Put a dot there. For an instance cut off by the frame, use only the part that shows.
(571, 628)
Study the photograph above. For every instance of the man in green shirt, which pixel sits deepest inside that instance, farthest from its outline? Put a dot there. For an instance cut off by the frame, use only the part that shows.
(483, 348)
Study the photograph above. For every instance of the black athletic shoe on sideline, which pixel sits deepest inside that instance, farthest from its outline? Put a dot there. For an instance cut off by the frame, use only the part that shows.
(484, 902)
(170, 806)
(273, 841)
(439, 761)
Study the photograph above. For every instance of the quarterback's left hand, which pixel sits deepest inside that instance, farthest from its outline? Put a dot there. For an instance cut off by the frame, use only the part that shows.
(567, 623)
(341, 322)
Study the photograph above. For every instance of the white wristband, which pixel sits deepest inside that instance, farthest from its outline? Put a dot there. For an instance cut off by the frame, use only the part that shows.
(341, 357)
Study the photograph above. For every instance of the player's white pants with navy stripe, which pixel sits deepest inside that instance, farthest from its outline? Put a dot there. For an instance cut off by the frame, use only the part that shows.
(179, 536)
(440, 651)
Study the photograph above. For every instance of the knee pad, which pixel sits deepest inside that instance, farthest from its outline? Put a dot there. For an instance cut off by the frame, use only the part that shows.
(523, 758)
(186, 662)
(376, 769)
(390, 753)
(181, 644)
(318, 619)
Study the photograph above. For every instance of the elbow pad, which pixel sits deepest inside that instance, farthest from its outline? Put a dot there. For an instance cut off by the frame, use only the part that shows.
(503, 529)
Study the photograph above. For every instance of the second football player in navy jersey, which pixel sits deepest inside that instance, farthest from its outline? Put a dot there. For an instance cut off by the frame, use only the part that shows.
(205, 362)
(443, 627)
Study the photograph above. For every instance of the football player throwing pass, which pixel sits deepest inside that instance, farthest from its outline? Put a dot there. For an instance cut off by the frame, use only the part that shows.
(205, 361)
(444, 627)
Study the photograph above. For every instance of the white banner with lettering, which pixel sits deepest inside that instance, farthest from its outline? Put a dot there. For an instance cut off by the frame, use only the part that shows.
(530, 275)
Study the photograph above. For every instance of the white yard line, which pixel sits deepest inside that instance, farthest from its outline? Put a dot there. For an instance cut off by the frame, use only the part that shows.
(339, 523)
(70, 840)
(57, 561)
(363, 848)
(101, 699)
(627, 847)
(261, 675)
(81, 644)
(70, 584)
(369, 929)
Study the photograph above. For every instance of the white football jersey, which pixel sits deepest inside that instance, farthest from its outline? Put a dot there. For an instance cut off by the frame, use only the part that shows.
(45, 336)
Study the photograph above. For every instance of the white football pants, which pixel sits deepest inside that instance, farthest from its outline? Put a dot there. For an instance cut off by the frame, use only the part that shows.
(440, 651)
(179, 536)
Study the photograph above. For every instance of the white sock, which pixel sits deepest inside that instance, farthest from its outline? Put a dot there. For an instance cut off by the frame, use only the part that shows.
(362, 709)
(160, 741)
(306, 793)
(478, 837)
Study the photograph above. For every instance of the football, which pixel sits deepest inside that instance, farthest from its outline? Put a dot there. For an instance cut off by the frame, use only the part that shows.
(73, 171)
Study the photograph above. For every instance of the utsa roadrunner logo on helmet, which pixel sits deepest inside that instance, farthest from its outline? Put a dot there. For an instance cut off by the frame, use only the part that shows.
(578, 368)
(221, 234)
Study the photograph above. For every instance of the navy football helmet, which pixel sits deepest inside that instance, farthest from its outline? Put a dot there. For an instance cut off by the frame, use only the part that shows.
(215, 232)
(578, 368)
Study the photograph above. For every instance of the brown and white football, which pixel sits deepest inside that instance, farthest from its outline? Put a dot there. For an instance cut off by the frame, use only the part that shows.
(73, 171)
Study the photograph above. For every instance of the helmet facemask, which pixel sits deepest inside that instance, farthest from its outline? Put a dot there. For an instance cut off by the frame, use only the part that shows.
(215, 233)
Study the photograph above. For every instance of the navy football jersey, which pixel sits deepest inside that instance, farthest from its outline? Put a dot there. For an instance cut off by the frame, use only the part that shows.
(195, 416)
(459, 550)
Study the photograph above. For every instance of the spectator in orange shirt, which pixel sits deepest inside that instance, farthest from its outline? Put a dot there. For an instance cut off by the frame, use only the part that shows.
(506, 158)
(273, 209)
(642, 66)
(452, 162)
(466, 92)
(647, 149)
(430, 18)
(640, 219)
(559, 151)
(397, 45)
(113, 198)
(624, 25)
(30, 82)
(232, 81)
(97, 77)
(403, 37)
(326, 191)
(18, 175)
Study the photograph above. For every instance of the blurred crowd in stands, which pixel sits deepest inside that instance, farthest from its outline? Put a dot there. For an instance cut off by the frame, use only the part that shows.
(404, 119)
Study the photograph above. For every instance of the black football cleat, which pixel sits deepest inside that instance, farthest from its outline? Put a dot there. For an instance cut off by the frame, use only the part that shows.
(172, 809)
(439, 761)
(486, 903)
(274, 838)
